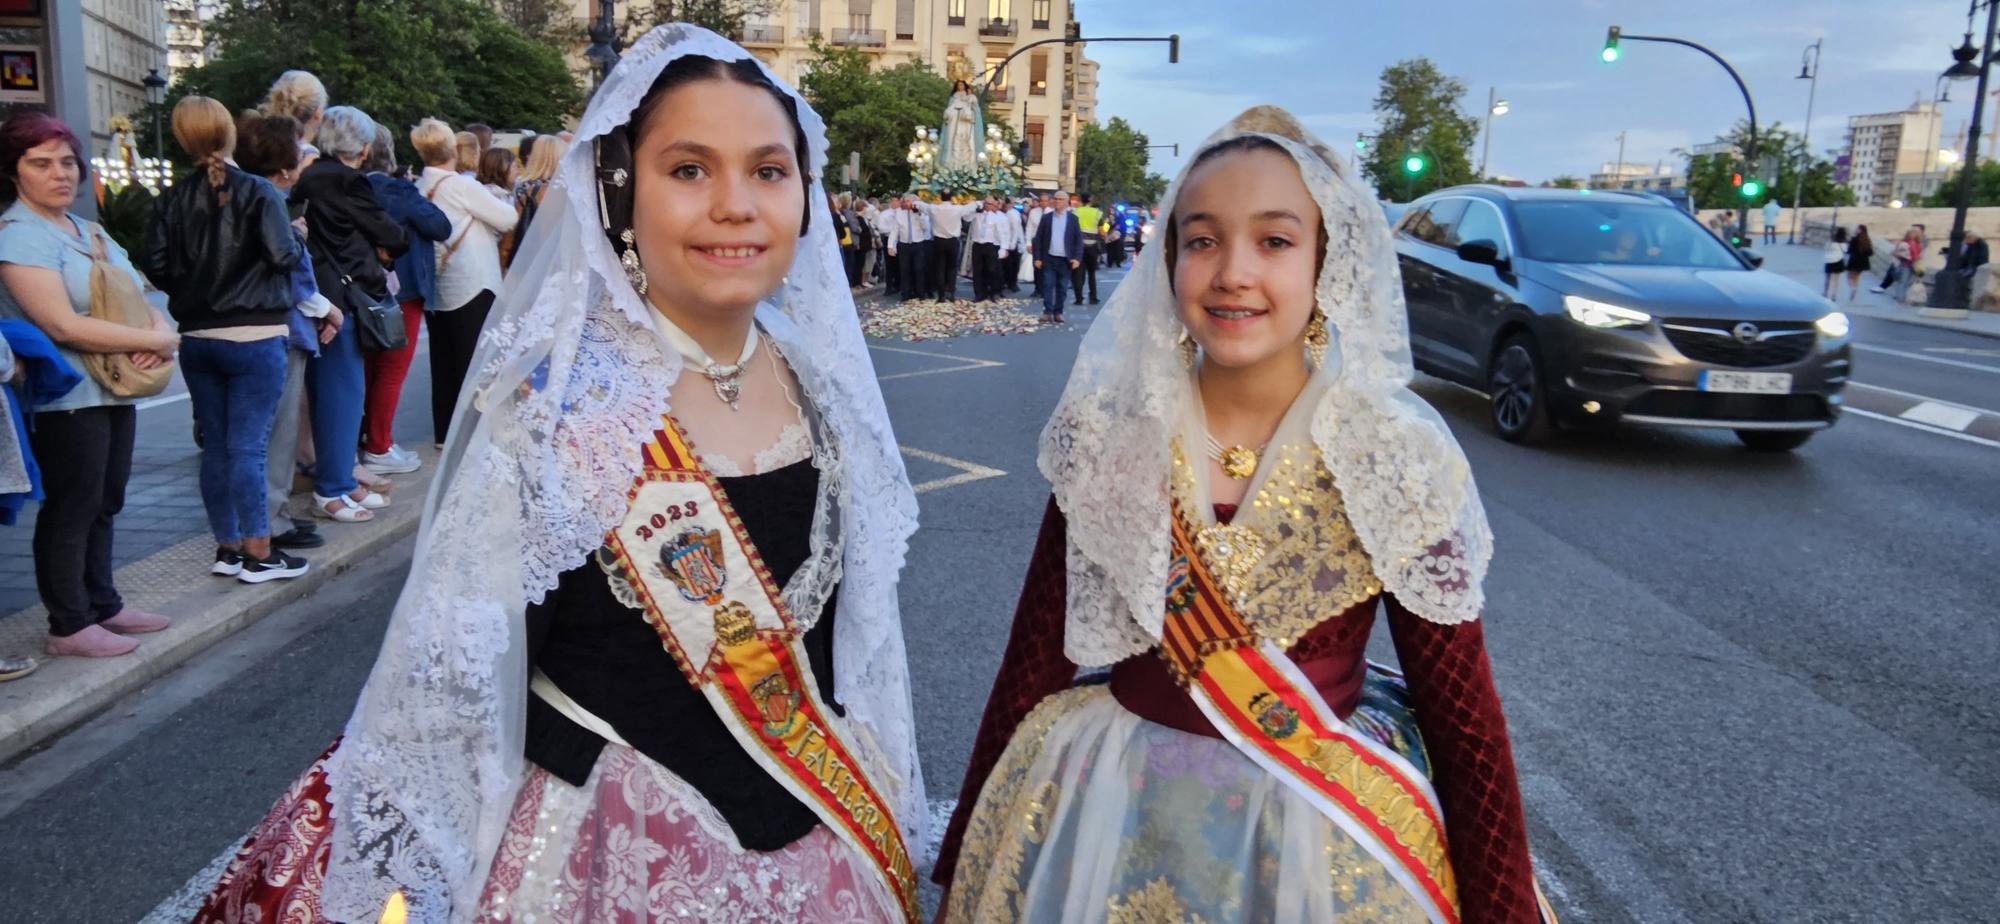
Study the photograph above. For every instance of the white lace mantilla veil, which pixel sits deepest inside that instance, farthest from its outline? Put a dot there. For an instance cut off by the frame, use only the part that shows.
(1404, 480)
(570, 380)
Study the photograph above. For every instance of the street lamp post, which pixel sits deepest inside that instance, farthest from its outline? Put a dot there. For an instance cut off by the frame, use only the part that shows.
(992, 75)
(156, 93)
(1611, 54)
(603, 50)
(1494, 107)
(1808, 71)
(1933, 156)
(1951, 295)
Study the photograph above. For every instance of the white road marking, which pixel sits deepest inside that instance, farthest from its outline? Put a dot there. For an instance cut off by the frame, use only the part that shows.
(180, 907)
(1948, 416)
(1963, 351)
(1954, 363)
(1911, 394)
(968, 471)
(940, 816)
(965, 363)
(1898, 421)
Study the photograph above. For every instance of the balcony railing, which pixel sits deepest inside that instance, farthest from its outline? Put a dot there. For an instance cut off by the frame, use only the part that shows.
(1001, 94)
(1038, 24)
(762, 34)
(998, 28)
(954, 20)
(863, 38)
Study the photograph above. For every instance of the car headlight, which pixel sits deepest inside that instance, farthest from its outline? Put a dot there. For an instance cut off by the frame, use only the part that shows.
(1593, 313)
(1833, 325)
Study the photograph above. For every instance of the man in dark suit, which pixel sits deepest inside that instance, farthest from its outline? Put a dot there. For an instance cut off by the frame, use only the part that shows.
(1058, 252)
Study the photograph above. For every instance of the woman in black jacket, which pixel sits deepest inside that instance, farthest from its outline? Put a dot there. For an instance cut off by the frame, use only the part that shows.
(350, 238)
(222, 247)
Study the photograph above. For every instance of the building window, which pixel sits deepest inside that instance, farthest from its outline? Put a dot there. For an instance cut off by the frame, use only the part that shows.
(1035, 141)
(1038, 74)
(1041, 14)
(906, 20)
(955, 12)
(857, 22)
(996, 9)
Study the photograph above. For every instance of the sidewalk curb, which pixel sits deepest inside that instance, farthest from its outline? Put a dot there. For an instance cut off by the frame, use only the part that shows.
(68, 691)
(1918, 321)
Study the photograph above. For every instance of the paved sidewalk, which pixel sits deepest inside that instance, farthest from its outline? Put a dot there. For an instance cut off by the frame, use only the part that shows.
(1802, 263)
(206, 609)
(161, 553)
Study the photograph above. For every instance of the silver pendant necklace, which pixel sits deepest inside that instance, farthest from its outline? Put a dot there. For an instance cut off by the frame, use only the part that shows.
(726, 379)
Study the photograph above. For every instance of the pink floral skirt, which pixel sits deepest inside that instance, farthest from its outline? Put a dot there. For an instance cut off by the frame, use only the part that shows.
(635, 843)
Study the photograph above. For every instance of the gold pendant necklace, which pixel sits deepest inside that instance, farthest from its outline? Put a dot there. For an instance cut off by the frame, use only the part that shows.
(1238, 462)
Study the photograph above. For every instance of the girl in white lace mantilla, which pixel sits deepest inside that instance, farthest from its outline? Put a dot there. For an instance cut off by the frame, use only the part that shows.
(1241, 481)
(683, 258)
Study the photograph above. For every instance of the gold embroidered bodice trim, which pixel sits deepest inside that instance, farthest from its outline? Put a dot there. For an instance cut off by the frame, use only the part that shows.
(1290, 559)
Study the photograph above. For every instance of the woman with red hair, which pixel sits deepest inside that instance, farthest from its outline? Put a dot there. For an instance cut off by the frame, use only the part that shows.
(85, 436)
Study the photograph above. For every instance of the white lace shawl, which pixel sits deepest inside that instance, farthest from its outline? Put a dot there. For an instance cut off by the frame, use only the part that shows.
(569, 381)
(1405, 482)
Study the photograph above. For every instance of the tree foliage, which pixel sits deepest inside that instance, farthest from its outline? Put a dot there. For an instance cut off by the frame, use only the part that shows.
(1417, 110)
(1111, 164)
(397, 60)
(1709, 175)
(1565, 181)
(1985, 188)
(875, 112)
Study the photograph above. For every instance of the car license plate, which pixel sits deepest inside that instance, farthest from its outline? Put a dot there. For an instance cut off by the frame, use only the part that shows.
(1746, 383)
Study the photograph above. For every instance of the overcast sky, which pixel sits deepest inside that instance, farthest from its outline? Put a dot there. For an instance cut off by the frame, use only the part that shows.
(1322, 59)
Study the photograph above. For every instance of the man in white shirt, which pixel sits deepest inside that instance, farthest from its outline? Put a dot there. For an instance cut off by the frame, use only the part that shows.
(991, 243)
(891, 217)
(947, 229)
(911, 246)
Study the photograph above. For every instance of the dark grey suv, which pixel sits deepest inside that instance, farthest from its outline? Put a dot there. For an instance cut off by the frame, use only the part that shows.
(1586, 308)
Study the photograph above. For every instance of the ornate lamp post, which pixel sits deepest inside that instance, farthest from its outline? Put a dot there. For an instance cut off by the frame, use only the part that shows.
(1951, 294)
(156, 93)
(603, 50)
(1808, 70)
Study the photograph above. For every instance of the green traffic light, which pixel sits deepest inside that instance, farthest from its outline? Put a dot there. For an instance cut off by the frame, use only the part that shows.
(1611, 44)
(1752, 188)
(1610, 54)
(1414, 163)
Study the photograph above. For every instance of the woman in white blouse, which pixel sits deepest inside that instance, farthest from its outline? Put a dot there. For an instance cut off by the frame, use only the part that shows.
(468, 264)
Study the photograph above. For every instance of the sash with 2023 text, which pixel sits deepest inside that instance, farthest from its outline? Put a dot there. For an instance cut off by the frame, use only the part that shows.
(707, 592)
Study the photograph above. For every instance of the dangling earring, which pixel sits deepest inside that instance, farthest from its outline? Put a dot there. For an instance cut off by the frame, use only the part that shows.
(634, 273)
(1187, 348)
(1316, 338)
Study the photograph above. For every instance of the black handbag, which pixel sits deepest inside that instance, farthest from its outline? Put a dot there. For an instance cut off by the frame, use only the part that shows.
(378, 322)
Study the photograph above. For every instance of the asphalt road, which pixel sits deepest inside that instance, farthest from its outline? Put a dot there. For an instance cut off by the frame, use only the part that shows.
(1742, 687)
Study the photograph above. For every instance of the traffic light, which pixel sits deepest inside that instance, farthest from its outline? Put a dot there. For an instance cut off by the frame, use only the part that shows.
(1752, 189)
(1360, 141)
(1611, 45)
(1415, 164)
(1736, 180)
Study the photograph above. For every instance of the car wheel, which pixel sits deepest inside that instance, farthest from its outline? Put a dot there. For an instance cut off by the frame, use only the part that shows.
(1520, 399)
(1773, 440)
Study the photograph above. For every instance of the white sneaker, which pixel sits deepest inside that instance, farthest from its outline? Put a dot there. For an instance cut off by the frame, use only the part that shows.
(397, 461)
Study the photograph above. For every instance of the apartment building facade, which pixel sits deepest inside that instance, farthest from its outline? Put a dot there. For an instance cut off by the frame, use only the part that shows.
(1884, 145)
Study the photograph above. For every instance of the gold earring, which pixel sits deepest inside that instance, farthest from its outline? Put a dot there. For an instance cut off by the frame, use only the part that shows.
(634, 273)
(1187, 348)
(1316, 338)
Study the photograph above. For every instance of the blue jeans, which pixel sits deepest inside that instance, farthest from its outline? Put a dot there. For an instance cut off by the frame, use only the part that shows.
(235, 389)
(1054, 276)
(336, 391)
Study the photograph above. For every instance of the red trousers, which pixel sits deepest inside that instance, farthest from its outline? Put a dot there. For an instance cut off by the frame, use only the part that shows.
(386, 372)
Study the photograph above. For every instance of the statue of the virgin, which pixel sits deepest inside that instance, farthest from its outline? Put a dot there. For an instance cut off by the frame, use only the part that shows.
(964, 131)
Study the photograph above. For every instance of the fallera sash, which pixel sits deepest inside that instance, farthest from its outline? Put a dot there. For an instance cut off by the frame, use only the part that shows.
(706, 591)
(1261, 703)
